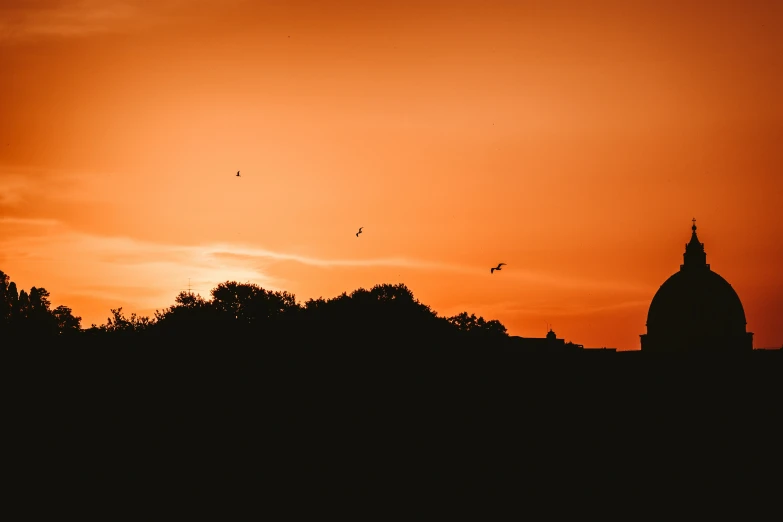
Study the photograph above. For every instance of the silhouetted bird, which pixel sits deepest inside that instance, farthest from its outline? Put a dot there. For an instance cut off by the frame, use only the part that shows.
(359, 232)
(238, 175)
(492, 270)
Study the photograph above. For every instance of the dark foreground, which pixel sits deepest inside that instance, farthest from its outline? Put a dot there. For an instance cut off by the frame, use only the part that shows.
(413, 419)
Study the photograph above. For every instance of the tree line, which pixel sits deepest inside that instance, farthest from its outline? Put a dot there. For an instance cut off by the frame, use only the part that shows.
(31, 313)
(383, 313)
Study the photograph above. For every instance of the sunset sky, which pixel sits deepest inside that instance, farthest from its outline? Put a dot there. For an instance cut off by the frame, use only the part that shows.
(574, 141)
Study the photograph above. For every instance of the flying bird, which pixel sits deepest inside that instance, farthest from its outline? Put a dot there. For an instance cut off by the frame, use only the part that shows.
(238, 175)
(492, 270)
(359, 232)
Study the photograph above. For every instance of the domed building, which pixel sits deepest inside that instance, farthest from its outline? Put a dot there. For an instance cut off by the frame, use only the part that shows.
(696, 310)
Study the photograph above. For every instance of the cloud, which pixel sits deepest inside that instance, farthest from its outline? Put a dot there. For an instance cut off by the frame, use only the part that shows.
(21, 183)
(13, 190)
(98, 271)
(29, 192)
(29, 20)
(45, 233)
(32, 196)
(567, 308)
(108, 268)
(28, 221)
(517, 274)
(257, 254)
(86, 262)
(104, 259)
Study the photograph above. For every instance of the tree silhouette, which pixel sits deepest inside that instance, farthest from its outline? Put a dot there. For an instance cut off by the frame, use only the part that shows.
(5, 299)
(190, 315)
(477, 325)
(382, 316)
(119, 324)
(251, 304)
(30, 315)
(67, 323)
(13, 299)
(24, 305)
(40, 319)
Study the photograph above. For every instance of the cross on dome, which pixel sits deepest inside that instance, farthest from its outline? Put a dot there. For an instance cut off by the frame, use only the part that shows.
(694, 251)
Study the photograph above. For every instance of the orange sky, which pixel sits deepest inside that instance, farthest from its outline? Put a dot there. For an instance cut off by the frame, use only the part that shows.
(573, 141)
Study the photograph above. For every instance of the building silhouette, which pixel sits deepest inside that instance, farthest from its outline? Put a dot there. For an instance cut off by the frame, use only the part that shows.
(550, 344)
(696, 310)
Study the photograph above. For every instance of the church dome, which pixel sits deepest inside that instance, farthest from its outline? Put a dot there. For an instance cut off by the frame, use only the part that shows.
(696, 309)
(696, 301)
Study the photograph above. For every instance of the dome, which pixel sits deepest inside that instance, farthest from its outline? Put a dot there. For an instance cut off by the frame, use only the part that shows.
(696, 309)
(696, 301)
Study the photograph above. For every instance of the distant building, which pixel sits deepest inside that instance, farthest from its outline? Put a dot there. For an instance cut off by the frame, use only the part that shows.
(696, 310)
(550, 344)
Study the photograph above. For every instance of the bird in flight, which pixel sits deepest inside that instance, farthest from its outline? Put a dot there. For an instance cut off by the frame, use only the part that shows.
(359, 232)
(492, 270)
(238, 175)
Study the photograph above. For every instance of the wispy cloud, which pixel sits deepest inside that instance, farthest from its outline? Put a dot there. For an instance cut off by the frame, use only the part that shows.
(164, 268)
(257, 254)
(22, 183)
(210, 264)
(143, 275)
(539, 278)
(28, 20)
(560, 281)
(13, 190)
(566, 308)
(29, 221)
(110, 267)
(44, 234)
